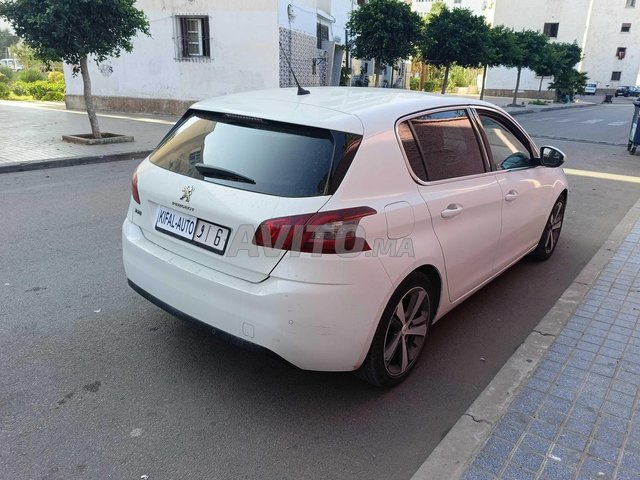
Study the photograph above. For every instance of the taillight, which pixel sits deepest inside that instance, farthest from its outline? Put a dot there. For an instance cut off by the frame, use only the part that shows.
(335, 231)
(134, 186)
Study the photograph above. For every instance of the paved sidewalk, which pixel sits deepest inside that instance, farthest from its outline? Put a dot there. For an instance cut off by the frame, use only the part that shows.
(576, 413)
(32, 133)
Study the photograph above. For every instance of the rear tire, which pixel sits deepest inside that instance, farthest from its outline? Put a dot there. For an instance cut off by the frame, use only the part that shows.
(551, 232)
(401, 333)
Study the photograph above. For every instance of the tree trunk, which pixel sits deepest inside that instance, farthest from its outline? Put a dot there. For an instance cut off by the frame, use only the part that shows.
(88, 99)
(540, 88)
(423, 74)
(446, 79)
(376, 72)
(515, 93)
(484, 81)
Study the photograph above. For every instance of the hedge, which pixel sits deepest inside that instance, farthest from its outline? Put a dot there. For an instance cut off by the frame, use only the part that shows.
(40, 90)
(4, 91)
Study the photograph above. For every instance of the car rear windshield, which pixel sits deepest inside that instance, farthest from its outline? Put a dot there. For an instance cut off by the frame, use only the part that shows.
(258, 155)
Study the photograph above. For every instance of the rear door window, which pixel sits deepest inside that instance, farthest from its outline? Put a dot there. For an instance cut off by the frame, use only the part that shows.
(258, 155)
(446, 146)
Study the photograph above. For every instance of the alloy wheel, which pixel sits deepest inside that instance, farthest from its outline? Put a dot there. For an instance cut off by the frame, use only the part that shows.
(553, 227)
(406, 331)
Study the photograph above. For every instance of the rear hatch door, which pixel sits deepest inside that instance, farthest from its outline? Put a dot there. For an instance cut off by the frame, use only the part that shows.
(217, 176)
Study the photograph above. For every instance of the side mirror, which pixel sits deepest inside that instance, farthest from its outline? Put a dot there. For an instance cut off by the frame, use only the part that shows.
(551, 157)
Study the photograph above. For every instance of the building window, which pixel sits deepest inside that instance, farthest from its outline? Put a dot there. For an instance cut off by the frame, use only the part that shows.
(626, 27)
(457, 1)
(621, 52)
(631, 3)
(615, 76)
(322, 34)
(193, 37)
(551, 30)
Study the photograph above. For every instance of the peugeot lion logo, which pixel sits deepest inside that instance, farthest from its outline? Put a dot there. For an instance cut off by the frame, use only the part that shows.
(186, 193)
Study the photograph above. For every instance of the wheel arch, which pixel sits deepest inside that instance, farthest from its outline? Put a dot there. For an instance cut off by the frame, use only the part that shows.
(435, 278)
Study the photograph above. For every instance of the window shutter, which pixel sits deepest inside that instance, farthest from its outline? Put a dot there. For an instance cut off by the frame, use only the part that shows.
(206, 50)
(184, 37)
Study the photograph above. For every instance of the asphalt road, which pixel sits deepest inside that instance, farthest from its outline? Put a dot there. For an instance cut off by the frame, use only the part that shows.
(95, 382)
(607, 124)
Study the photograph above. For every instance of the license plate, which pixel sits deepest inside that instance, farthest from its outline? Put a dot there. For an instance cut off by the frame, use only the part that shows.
(208, 235)
(211, 236)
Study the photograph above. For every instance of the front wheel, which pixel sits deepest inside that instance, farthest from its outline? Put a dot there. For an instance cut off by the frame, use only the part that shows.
(551, 232)
(401, 333)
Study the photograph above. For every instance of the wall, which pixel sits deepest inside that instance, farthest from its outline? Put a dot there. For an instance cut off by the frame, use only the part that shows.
(532, 15)
(297, 20)
(244, 56)
(603, 39)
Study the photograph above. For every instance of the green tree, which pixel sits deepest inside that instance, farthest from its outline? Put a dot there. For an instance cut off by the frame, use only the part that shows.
(526, 54)
(569, 82)
(502, 44)
(455, 36)
(25, 56)
(384, 30)
(7, 39)
(557, 60)
(73, 31)
(546, 64)
(436, 8)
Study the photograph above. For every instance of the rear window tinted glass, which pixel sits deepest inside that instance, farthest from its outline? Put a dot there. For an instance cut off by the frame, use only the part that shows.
(412, 151)
(273, 157)
(448, 144)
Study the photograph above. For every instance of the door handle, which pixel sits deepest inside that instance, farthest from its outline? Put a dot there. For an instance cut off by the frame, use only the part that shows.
(451, 210)
(511, 196)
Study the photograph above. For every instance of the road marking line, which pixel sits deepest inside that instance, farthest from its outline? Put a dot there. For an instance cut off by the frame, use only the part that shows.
(565, 120)
(592, 121)
(545, 119)
(617, 124)
(602, 175)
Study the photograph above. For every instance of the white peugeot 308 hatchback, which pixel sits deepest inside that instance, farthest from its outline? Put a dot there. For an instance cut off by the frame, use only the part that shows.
(334, 228)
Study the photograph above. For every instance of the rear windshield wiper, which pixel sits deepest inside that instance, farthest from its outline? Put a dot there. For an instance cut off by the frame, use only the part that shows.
(222, 174)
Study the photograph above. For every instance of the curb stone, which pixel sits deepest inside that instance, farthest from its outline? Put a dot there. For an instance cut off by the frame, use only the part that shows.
(455, 453)
(548, 109)
(70, 161)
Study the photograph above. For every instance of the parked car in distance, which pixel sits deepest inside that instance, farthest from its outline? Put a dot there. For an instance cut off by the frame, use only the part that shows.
(590, 89)
(634, 91)
(335, 228)
(13, 64)
(623, 91)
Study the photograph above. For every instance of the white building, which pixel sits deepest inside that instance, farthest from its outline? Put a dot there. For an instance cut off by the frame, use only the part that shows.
(608, 31)
(205, 48)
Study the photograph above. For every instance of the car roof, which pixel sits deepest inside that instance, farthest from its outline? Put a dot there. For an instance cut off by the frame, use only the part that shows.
(358, 110)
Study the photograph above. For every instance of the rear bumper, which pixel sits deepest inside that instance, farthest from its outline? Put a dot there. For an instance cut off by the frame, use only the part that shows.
(311, 325)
